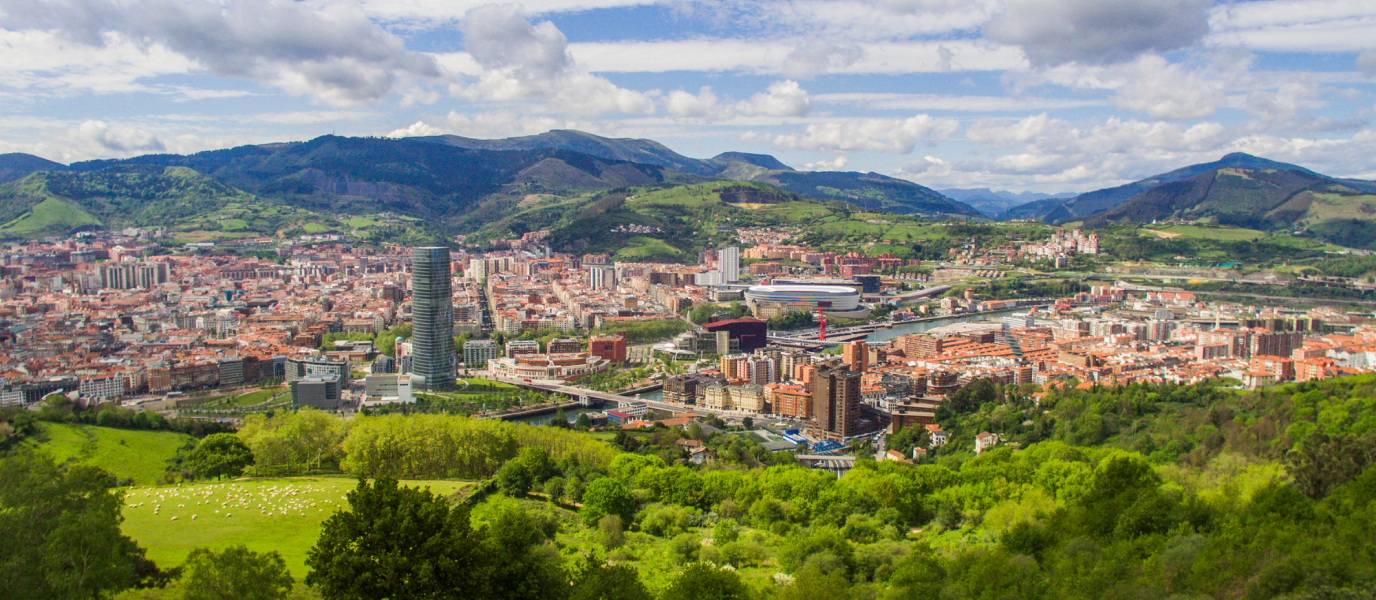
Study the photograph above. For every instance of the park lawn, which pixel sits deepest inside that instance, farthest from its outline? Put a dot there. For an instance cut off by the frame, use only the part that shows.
(282, 515)
(257, 397)
(126, 453)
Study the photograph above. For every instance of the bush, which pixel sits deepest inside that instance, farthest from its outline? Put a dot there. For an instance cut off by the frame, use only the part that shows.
(610, 532)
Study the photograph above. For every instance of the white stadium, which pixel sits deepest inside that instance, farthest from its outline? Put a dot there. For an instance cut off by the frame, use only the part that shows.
(842, 298)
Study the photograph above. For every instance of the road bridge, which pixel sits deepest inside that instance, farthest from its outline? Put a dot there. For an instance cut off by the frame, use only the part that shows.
(558, 387)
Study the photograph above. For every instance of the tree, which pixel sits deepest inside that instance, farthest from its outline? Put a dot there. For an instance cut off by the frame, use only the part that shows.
(61, 531)
(398, 543)
(703, 581)
(522, 474)
(219, 455)
(1324, 462)
(607, 496)
(583, 423)
(908, 438)
(235, 574)
(521, 566)
(608, 582)
(610, 531)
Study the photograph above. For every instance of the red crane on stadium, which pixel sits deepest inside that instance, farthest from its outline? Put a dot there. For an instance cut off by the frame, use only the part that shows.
(821, 318)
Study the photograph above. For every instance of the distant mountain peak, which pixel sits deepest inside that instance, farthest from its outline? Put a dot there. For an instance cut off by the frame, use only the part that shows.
(760, 160)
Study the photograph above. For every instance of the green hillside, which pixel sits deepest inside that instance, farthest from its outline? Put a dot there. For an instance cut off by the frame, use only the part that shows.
(192, 206)
(1262, 199)
(141, 456)
(50, 216)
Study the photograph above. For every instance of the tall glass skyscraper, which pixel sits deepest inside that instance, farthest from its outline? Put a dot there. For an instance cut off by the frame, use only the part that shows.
(432, 317)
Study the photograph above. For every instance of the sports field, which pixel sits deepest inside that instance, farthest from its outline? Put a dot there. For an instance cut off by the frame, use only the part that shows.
(264, 514)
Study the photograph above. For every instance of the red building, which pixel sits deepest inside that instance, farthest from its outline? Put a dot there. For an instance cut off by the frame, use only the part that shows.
(752, 333)
(610, 347)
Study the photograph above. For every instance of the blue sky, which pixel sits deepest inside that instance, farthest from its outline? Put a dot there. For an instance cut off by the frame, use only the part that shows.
(1042, 95)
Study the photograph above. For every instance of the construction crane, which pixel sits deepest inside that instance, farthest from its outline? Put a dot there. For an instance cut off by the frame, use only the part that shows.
(822, 319)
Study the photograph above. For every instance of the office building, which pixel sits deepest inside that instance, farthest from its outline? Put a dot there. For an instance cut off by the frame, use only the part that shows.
(316, 391)
(476, 353)
(388, 388)
(432, 317)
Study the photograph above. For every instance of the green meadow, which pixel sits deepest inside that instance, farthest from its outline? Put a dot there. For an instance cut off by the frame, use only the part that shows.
(282, 515)
(127, 454)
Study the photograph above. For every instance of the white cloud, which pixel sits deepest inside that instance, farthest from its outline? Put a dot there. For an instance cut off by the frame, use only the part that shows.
(331, 52)
(524, 61)
(1295, 25)
(704, 105)
(891, 101)
(44, 63)
(116, 139)
(898, 136)
(1169, 91)
(434, 13)
(771, 57)
(1054, 32)
(835, 164)
(782, 99)
(1366, 62)
(417, 129)
(817, 57)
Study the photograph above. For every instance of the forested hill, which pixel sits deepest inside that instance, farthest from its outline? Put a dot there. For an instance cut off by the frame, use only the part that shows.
(1339, 212)
(1089, 203)
(180, 199)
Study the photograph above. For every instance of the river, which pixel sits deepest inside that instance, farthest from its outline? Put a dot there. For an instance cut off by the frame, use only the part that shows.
(884, 335)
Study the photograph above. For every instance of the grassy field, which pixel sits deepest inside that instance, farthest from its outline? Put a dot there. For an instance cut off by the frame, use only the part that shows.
(128, 454)
(1226, 234)
(52, 216)
(270, 514)
(644, 247)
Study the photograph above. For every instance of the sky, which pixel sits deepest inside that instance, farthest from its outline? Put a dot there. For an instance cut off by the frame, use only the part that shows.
(1022, 95)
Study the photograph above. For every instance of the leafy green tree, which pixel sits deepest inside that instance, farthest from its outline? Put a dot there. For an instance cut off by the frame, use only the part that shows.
(596, 581)
(611, 532)
(235, 574)
(1324, 462)
(61, 531)
(703, 581)
(529, 469)
(725, 532)
(521, 565)
(219, 455)
(399, 543)
(909, 438)
(607, 496)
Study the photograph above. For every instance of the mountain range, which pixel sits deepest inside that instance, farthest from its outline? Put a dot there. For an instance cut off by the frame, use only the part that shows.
(991, 203)
(454, 184)
(451, 184)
